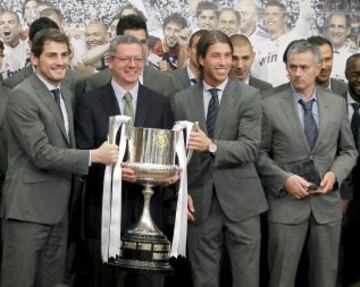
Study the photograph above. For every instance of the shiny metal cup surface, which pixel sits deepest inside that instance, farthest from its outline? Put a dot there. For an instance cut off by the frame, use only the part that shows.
(152, 154)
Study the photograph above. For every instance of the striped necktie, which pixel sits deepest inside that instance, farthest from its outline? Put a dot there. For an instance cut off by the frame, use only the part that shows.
(212, 112)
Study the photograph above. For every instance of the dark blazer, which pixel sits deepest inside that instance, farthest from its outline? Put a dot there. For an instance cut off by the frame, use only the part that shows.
(259, 84)
(232, 169)
(155, 80)
(41, 155)
(71, 78)
(91, 122)
(284, 141)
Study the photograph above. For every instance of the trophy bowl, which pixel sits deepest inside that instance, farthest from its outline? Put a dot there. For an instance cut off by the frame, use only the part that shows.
(151, 154)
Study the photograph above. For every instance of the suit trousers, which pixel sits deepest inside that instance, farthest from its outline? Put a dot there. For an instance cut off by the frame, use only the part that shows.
(208, 241)
(286, 242)
(33, 254)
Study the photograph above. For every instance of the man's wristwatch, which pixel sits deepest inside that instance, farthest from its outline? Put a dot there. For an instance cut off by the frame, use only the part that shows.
(212, 147)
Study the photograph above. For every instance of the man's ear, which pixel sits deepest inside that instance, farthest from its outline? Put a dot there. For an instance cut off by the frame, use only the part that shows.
(34, 60)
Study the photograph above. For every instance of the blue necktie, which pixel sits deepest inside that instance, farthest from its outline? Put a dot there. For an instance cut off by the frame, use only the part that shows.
(310, 126)
(212, 112)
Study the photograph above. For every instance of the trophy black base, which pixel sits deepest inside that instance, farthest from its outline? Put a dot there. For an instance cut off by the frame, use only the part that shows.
(144, 252)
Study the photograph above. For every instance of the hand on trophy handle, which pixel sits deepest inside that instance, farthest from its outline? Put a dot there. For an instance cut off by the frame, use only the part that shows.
(106, 154)
(128, 174)
(173, 179)
(198, 141)
(191, 209)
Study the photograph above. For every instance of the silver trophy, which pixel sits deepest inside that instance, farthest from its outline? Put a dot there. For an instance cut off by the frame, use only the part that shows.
(151, 154)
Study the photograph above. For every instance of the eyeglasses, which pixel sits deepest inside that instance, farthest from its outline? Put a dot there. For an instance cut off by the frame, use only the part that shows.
(127, 60)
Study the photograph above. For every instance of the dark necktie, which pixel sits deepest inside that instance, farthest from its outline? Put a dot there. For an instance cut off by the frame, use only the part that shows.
(310, 127)
(212, 112)
(355, 122)
(56, 94)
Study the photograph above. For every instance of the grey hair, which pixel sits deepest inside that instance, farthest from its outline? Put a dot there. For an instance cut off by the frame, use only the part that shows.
(123, 39)
(302, 46)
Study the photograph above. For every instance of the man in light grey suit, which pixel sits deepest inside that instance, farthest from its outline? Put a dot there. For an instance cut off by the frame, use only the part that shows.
(306, 151)
(41, 161)
(226, 197)
(133, 25)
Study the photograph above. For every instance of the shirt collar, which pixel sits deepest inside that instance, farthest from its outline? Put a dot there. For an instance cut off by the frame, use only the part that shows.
(220, 87)
(298, 97)
(120, 91)
(190, 73)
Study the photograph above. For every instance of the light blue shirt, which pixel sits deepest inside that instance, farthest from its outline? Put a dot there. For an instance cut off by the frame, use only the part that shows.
(120, 93)
(300, 109)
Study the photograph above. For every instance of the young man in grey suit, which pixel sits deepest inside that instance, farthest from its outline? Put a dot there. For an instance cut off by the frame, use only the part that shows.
(226, 196)
(41, 161)
(243, 58)
(306, 151)
(162, 83)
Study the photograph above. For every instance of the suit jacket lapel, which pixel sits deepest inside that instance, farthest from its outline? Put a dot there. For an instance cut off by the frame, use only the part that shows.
(142, 107)
(45, 95)
(109, 101)
(67, 99)
(227, 102)
(197, 104)
(324, 114)
(290, 110)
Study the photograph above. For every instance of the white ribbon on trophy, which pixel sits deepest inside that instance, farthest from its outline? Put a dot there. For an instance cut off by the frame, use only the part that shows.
(112, 193)
(178, 246)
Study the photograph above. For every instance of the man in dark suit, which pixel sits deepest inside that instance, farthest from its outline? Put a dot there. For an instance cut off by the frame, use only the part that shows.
(126, 62)
(327, 55)
(188, 76)
(350, 239)
(306, 151)
(71, 76)
(243, 58)
(226, 197)
(160, 82)
(41, 161)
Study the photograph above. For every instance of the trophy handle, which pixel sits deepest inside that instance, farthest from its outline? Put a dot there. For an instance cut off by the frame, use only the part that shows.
(189, 152)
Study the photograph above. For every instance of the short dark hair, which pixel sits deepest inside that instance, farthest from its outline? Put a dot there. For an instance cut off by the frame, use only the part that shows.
(43, 36)
(353, 57)
(320, 41)
(175, 18)
(302, 46)
(198, 33)
(131, 22)
(206, 5)
(240, 40)
(207, 39)
(40, 24)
